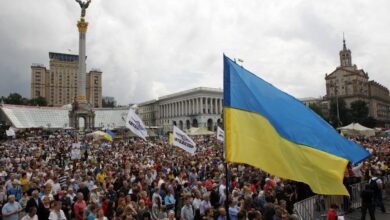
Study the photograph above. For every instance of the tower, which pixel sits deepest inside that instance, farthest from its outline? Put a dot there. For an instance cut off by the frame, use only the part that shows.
(345, 56)
(81, 109)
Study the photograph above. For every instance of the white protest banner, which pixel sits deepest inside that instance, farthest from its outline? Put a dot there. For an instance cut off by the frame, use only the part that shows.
(180, 139)
(76, 151)
(135, 124)
(10, 132)
(220, 134)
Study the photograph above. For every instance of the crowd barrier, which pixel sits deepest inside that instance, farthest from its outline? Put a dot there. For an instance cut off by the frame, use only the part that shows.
(316, 207)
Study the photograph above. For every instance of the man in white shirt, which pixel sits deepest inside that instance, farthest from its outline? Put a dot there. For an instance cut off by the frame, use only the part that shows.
(32, 214)
(57, 213)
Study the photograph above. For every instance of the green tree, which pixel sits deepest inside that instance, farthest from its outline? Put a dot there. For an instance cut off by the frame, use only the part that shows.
(40, 101)
(15, 99)
(359, 111)
(317, 109)
(107, 104)
(369, 122)
(344, 114)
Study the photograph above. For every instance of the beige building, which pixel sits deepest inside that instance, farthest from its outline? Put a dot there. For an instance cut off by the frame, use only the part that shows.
(59, 83)
(199, 107)
(351, 84)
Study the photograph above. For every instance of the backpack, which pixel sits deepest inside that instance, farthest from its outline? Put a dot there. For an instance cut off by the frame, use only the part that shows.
(374, 185)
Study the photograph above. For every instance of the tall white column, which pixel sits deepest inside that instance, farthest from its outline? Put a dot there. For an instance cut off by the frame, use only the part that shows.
(220, 106)
(81, 88)
(192, 106)
(174, 109)
(207, 105)
(214, 106)
(185, 108)
(182, 108)
(197, 106)
(201, 105)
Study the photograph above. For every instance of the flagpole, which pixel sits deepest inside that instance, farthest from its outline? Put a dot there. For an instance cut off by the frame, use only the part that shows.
(226, 169)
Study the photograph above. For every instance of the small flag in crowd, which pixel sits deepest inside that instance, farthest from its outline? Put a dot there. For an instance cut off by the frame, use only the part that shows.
(180, 139)
(220, 134)
(135, 124)
(109, 135)
(273, 131)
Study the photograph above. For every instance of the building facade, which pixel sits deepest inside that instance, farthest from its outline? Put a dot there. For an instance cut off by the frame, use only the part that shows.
(352, 84)
(198, 107)
(58, 84)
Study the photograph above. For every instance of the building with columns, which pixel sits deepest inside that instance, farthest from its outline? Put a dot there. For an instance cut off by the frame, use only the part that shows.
(198, 107)
(352, 84)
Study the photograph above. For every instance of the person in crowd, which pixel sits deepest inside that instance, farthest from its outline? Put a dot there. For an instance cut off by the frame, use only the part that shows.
(368, 202)
(34, 201)
(43, 211)
(377, 186)
(11, 209)
(31, 214)
(332, 212)
(187, 211)
(56, 213)
(79, 206)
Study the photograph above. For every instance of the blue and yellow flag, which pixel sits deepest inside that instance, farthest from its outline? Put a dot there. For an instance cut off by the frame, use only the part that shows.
(109, 135)
(271, 130)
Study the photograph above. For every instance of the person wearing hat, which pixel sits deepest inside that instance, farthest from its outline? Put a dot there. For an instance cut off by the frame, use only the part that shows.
(94, 195)
(15, 190)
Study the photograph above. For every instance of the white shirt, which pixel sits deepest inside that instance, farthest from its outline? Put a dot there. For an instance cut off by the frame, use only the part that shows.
(27, 217)
(196, 203)
(357, 170)
(57, 215)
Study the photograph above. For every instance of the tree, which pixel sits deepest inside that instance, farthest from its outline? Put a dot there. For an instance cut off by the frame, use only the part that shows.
(359, 111)
(344, 114)
(40, 101)
(107, 104)
(317, 109)
(15, 99)
(369, 122)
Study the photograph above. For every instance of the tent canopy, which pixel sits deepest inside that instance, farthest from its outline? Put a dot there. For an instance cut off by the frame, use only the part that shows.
(198, 131)
(356, 129)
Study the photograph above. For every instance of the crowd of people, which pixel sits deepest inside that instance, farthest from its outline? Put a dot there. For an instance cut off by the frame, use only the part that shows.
(136, 179)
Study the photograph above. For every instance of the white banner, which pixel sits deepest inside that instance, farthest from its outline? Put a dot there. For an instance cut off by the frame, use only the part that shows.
(220, 134)
(135, 124)
(180, 139)
(10, 132)
(76, 151)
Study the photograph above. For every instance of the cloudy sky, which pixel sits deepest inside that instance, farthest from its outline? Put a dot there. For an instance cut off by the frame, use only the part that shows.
(150, 48)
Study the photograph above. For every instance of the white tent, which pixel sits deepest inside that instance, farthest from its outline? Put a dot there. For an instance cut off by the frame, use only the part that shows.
(356, 129)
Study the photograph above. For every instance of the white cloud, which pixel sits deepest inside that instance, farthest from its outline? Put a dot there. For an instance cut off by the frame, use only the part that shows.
(151, 48)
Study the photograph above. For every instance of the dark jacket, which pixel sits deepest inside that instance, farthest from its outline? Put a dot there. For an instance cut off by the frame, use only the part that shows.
(32, 203)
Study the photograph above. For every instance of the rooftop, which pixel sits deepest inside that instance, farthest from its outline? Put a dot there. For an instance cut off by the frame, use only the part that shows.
(194, 90)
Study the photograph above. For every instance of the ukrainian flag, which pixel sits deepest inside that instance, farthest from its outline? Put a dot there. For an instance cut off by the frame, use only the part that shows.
(271, 130)
(109, 135)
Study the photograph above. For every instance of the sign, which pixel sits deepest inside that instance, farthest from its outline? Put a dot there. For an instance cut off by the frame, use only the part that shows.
(10, 132)
(135, 124)
(180, 139)
(76, 151)
(220, 134)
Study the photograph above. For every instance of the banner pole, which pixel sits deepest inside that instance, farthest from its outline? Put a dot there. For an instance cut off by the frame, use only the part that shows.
(226, 168)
